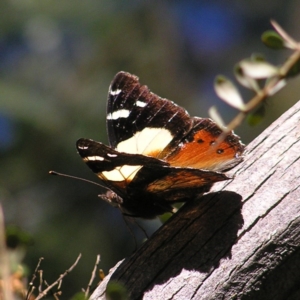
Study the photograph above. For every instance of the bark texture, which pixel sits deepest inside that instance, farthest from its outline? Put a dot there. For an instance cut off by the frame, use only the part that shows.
(240, 241)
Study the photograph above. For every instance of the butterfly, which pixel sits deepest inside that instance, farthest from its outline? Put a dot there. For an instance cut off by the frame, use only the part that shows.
(158, 153)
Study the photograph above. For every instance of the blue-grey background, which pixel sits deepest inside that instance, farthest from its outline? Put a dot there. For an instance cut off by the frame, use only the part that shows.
(57, 59)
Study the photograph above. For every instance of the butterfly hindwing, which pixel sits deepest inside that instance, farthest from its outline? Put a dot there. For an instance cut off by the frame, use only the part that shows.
(200, 149)
(172, 183)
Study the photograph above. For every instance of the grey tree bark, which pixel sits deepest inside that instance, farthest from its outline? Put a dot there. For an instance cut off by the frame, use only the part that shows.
(240, 241)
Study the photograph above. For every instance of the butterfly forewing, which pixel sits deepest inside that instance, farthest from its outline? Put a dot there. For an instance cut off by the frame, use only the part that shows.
(139, 121)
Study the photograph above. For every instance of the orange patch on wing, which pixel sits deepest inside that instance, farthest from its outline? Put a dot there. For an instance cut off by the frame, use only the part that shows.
(204, 153)
(153, 153)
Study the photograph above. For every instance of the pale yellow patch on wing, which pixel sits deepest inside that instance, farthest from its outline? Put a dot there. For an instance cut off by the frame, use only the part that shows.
(149, 140)
(125, 172)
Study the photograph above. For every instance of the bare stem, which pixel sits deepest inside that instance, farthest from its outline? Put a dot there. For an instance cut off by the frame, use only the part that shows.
(31, 287)
(44, 293)
(87, 291)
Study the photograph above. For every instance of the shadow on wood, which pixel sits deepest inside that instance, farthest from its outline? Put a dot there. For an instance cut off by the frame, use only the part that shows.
(192, 239)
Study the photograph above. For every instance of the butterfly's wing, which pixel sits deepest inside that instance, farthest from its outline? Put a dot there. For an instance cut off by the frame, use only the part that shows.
(143, 186)
(200, 149)
(175, 184)
(117, 170)
(138, 121)
(114, 168)
(156, 188)
(141, 122)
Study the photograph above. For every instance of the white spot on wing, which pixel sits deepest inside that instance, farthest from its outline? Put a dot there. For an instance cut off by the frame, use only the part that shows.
(122, 173)
(140, 103)
(122, 113)
(94, 158)
(112, 155)
(83, 147)
(146, 141)
(115, 92)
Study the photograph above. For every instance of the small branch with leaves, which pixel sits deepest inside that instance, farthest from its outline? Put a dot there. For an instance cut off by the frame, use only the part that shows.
(251, 72)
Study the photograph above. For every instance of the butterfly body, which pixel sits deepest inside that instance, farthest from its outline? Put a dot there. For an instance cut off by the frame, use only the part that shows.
(158, 154)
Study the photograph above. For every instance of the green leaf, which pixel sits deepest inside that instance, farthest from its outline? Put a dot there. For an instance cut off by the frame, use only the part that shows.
(79, 296)
(244, 80)
(276, 88)
(295, 70)
(258, 69)
(257, 57)
(214, 114)
(16, 237)
(257, 116)
(273, 40)
(165, 217)
(227, 91)
(116, 291)
(289, 42)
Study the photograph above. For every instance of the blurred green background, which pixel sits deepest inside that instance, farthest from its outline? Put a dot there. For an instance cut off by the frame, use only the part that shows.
(57, 59)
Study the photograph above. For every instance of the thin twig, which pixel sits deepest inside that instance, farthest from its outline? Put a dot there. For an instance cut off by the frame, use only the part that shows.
(87, 291)
(55, 295)
(126, 220)
(40, 289)
(291, 42)
(59, 285)
(31, 287)
(44, 293)
(141, 228)
(30, 292)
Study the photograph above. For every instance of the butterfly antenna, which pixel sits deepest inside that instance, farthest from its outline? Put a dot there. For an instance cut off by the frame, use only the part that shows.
(126, 220)
(141, 228)
(77, 178)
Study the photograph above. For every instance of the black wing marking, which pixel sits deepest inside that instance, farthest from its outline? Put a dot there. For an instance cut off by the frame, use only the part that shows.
(115, 169)
(100, 157)
(131, 108)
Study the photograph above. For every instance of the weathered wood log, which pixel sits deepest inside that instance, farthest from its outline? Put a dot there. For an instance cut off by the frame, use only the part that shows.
(242, 242)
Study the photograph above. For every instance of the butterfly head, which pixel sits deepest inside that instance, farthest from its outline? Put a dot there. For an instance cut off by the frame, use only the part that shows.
(112, 198)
